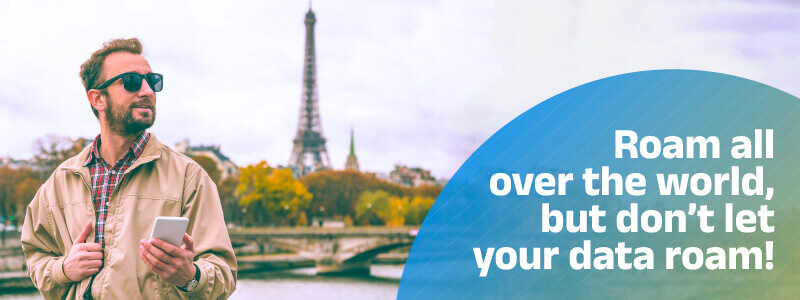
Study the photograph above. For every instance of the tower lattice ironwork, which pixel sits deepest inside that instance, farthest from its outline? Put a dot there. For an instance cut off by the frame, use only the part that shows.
(309, 153)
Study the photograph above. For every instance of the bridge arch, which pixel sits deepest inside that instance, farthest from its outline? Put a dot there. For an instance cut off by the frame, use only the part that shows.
(335, 250)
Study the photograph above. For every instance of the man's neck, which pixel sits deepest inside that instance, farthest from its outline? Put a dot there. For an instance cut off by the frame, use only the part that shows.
(114, 146)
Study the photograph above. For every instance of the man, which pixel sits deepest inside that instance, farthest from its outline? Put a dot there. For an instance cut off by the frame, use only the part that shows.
(86, 232)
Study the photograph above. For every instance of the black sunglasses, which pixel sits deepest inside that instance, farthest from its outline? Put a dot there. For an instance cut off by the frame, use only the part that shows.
(133, 81)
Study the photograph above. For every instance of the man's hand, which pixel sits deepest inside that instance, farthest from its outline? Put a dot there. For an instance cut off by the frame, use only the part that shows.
(173, 264)
(84, 259)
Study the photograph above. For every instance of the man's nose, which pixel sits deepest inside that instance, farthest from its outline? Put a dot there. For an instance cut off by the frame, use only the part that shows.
(145, 90)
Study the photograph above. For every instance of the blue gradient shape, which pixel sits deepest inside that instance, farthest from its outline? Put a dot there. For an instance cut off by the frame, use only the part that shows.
(575, 130)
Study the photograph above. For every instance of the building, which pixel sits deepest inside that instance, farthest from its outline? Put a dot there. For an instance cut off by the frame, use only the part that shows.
(411, 176)
(225, 165)
(352, 160)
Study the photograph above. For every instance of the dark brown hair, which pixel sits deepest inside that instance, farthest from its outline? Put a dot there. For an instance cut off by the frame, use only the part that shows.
(92, 68)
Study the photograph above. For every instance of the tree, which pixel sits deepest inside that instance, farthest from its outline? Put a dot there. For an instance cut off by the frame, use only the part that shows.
(273, 193)
(229, 199)
(210, 165)
(430, 191)
(371, 206)
(302, 220)
(395, 214)
(337, 193)
(381, 208)
(348, 221)
(226, 187)
(417, 210)
(52, 150)
(17, 189)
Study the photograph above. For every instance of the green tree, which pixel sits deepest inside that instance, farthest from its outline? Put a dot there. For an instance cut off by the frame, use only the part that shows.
(417, 209)
(272, 193)
(381, 208)
(371, 206)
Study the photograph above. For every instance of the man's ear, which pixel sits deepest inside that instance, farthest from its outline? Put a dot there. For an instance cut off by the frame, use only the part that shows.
(97, 99)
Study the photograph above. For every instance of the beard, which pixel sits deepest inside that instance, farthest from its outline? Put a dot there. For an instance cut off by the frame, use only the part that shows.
(122, 122)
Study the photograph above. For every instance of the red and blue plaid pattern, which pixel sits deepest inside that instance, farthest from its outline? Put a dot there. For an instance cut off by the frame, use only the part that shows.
(105, 179)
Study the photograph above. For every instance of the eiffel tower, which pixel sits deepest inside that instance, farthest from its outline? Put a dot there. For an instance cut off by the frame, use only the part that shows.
(309, 153)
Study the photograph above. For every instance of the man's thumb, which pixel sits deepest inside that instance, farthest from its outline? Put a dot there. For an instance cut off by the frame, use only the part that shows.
(84, 234)
(188, 242)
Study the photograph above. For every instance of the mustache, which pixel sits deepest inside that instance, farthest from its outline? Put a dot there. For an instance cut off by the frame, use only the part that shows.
(146, 102)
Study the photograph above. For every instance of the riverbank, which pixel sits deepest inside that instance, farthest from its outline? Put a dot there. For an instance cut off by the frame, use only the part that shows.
(19, 281)
(302, 283)
(278, 262)
(15, 282)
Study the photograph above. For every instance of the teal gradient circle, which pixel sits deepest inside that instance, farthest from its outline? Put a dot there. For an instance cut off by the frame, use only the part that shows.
(575, 130)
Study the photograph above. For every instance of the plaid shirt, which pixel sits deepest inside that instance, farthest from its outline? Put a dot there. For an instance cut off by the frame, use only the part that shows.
(105, 179)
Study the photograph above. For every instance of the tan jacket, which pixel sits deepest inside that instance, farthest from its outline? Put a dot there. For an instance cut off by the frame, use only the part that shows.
(161, 182)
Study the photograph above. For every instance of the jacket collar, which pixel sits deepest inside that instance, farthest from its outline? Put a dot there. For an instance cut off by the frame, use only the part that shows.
(134, 149)
(152, 152)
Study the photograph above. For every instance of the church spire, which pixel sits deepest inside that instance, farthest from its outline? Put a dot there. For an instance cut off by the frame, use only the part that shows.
(352, 144)
(352, 160)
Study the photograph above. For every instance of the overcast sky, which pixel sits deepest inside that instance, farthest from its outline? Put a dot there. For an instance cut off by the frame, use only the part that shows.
(422, 83)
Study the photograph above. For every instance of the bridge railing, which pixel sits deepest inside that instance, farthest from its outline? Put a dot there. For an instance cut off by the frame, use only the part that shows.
(355, 231)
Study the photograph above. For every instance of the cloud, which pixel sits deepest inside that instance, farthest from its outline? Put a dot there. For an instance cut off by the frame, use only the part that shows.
(421, 82)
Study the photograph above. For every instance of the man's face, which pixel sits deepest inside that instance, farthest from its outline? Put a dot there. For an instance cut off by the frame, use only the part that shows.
(128, 113)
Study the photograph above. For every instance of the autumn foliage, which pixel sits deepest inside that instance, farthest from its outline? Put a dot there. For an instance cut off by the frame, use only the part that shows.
(271, 196)
(337, 194)
(260, 195)
(379, 207)
(17, 188)
(210, 166)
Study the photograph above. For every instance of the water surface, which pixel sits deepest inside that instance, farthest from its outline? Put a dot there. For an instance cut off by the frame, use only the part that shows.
(304, 284)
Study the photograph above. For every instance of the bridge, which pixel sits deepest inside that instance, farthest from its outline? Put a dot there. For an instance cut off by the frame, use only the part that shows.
(335, 250)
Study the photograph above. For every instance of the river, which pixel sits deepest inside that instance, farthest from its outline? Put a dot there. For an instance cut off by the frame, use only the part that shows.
(305, 284)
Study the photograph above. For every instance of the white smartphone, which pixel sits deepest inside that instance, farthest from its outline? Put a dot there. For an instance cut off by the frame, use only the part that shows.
(170, 230)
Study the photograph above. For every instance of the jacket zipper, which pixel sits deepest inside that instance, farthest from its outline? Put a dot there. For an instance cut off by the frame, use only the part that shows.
(110, 197)
(94, 221)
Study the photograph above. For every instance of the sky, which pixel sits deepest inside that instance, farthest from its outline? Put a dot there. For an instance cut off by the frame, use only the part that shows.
(421, 83)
